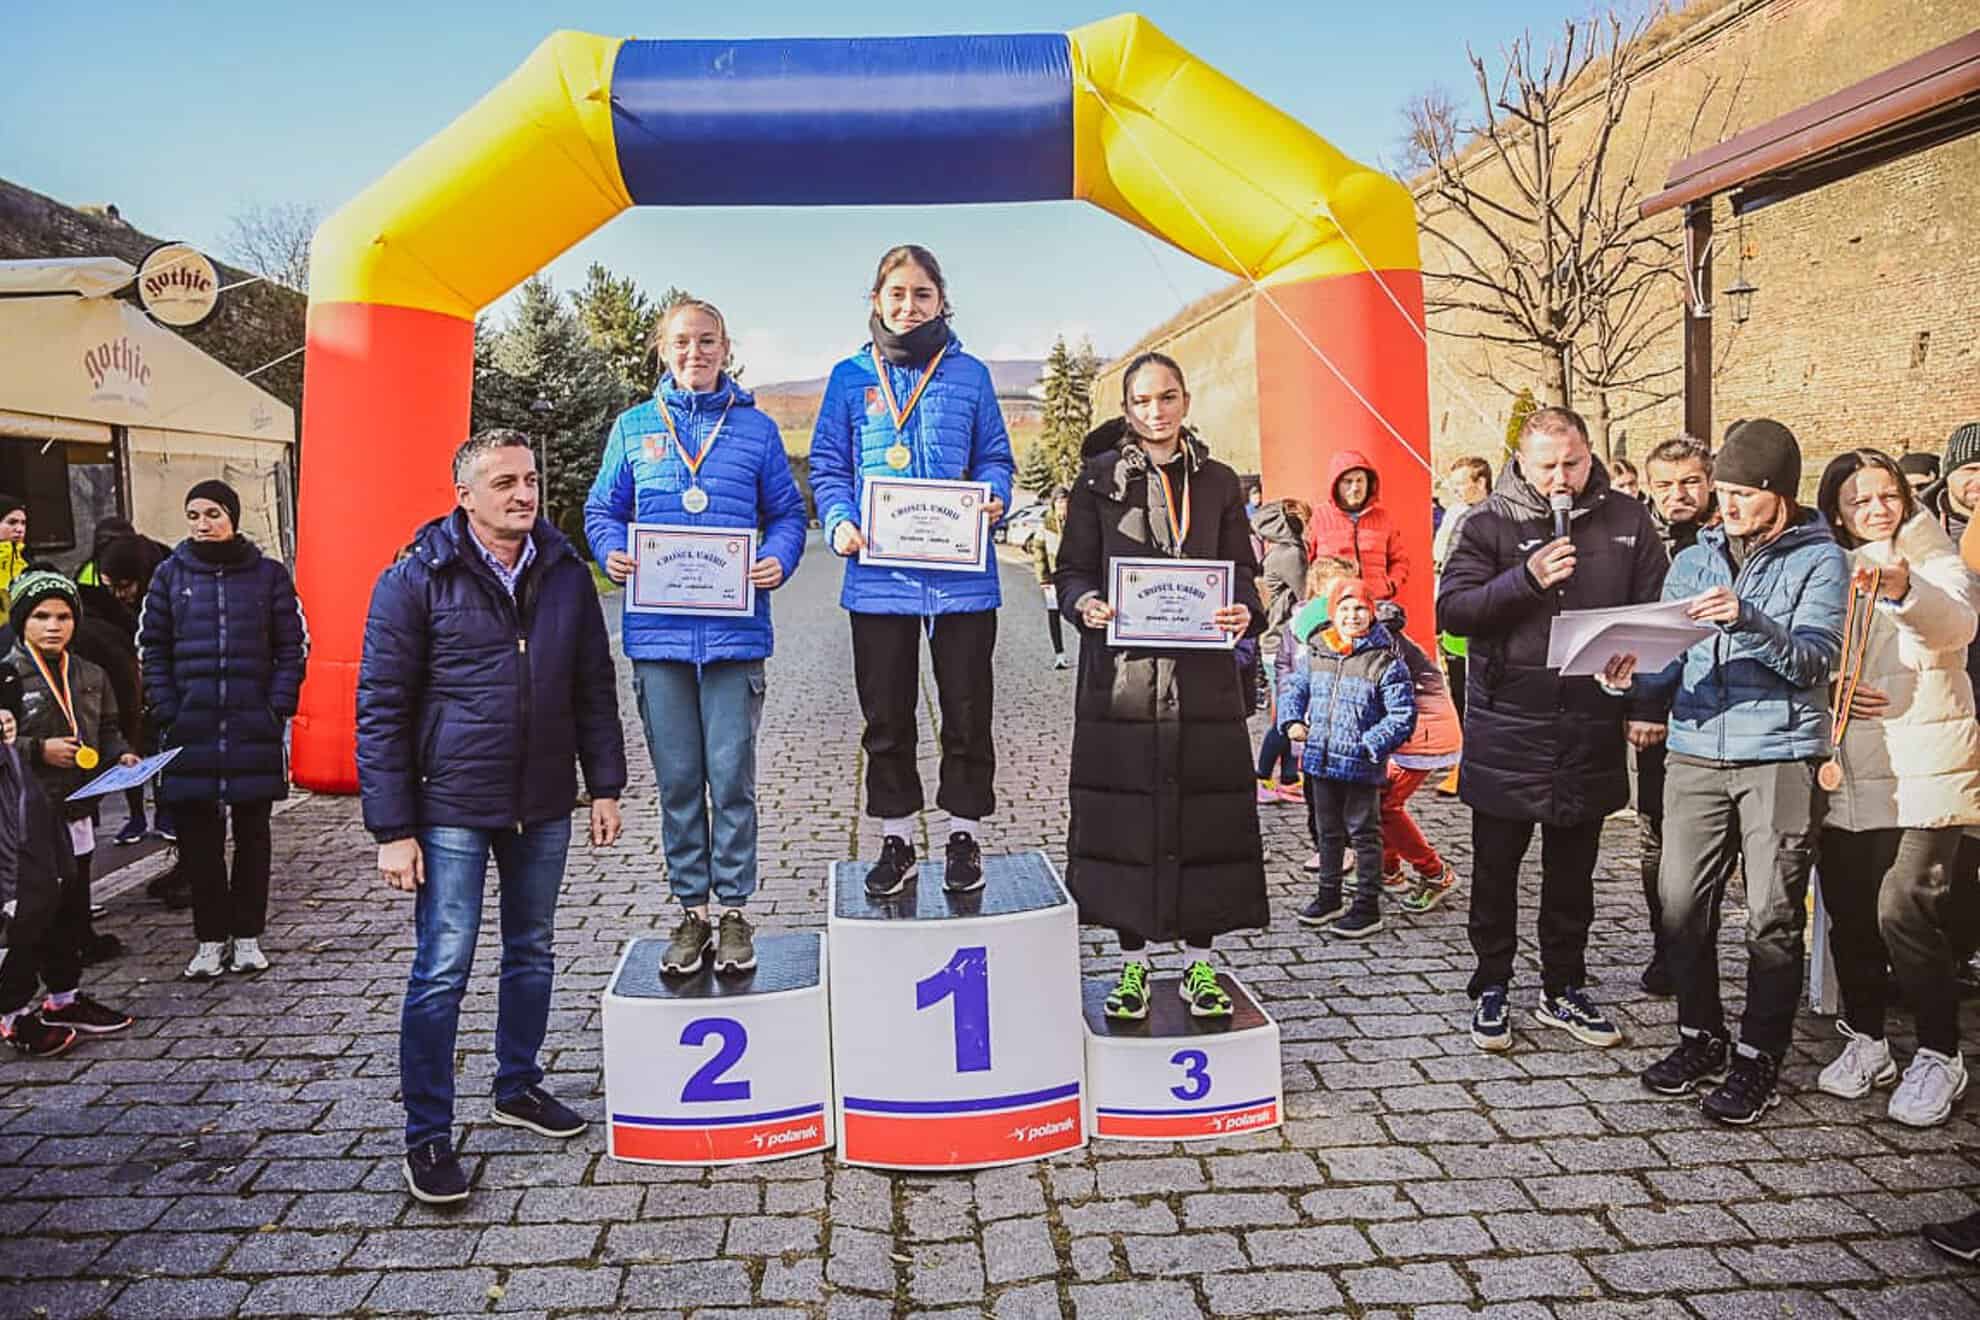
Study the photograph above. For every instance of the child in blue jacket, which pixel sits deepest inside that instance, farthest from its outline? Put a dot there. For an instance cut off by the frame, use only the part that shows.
(1353, 705)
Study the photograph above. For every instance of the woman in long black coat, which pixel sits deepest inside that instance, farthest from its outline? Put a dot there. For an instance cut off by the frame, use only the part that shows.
(1164, 839)
(224, 645)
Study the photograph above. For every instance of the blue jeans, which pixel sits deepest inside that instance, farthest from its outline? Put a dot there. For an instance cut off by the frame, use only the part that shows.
(701, 732)
(446, 920)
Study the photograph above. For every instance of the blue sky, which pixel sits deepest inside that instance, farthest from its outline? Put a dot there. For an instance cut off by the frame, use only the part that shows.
(182, 114)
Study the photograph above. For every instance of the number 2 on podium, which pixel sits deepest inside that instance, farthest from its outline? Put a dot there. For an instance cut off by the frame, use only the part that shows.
(707, 1086)
(965, 978)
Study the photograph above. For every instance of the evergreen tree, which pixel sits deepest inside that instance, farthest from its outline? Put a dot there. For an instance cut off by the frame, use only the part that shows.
(545, 377)
(619, 320)
(1068, 415)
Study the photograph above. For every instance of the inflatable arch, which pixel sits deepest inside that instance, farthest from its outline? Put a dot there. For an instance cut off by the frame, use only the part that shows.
(1114, 113)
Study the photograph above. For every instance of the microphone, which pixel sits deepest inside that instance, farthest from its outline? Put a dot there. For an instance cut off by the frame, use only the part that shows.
(1560, 502)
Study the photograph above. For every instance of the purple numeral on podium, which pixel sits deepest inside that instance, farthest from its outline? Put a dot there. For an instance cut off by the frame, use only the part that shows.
(965, 978)
(706, 1086)
(1196, 1074)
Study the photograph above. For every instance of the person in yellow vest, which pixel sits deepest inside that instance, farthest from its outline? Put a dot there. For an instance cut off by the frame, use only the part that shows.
(13, 540)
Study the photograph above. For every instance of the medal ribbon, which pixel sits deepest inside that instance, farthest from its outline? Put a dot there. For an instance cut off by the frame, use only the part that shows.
(694, 464)
(1852, 669)
(1178, 530)
(894, 410)
(62, 695)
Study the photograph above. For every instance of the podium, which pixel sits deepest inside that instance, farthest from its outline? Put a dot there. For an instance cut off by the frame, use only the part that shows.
(953, 1046)
(709, 1069)
(1171, 1076)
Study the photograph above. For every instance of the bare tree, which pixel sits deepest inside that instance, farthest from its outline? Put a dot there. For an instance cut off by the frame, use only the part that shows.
(1533, 206)
(273, 242)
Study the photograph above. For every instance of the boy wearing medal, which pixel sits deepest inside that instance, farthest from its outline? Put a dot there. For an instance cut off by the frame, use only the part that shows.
(69, 731)
(1749, 733)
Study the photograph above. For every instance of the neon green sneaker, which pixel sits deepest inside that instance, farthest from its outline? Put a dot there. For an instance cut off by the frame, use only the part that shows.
(1199, 989)
(1128, 1000)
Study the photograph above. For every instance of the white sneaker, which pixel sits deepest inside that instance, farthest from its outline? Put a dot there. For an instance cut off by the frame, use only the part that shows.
(1931, 1085)
(1061, 662)
(248, 957)
(208, 962)
(1864, 1065)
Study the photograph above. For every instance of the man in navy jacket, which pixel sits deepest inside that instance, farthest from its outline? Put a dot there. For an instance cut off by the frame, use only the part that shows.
(487, 676)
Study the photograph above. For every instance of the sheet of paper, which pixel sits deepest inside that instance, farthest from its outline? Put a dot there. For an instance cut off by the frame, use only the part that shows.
(1582, 641)
(120, 777)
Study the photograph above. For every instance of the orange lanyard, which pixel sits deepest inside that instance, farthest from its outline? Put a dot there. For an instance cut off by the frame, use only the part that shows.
(694, 463)
(62, 695)
(1852, 669)
(1178, 530)
(900, 414)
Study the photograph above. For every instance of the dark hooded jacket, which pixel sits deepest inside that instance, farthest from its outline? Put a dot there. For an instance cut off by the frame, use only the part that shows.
(1164, 834)
(1282, 569)
(1538, 746)
(474, 709)
(1368, 536)
(1938, 501)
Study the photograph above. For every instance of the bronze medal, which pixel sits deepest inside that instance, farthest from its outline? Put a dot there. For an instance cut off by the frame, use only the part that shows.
(1855, 650)
(1830, 776)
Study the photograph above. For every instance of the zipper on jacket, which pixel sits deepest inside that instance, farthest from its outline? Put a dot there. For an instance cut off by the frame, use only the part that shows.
(220, 590)
(1333, 695)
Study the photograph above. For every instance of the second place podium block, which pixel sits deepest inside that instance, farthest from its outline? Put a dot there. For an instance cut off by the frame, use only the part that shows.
(709, 1069)
(954, 1043)
(1171, 1076)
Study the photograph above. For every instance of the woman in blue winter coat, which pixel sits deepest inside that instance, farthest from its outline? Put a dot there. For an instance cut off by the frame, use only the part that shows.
(911, 403)
(699, 454)
(223, 644)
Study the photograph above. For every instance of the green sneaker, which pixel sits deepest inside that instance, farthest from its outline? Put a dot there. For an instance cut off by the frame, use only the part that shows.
(735, 947)
(684, 952)
(1199, 989)
(1128, 1000)
(1429, 893)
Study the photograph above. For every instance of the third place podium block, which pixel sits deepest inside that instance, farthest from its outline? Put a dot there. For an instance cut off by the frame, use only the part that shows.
(1171, 1076)
(955, 1043)
(709, 1069)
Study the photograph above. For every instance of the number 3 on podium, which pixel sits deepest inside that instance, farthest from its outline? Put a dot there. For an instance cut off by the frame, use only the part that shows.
(965, 978)
(1196, 1074)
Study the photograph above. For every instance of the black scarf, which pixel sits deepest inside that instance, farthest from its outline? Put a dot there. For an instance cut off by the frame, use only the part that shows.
(233, 550)
(912, 349)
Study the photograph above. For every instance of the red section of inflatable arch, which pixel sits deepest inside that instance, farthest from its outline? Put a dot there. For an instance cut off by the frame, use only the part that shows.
(1305, 413)
(386, 392)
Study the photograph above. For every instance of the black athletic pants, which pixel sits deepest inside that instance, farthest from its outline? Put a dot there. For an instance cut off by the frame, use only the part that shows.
(224, 910)
(887, 672)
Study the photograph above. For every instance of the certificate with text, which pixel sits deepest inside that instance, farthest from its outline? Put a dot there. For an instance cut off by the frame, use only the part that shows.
(691, 570)
(913, 522)
(1169, 602)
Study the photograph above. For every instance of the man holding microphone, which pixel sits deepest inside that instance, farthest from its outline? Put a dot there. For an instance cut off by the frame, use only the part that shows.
(1542, 749)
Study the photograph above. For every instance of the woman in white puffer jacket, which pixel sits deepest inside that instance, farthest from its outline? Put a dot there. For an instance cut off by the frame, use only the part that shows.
(1909, 761)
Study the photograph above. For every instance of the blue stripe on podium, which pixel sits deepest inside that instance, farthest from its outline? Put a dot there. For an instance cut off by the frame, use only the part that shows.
(726, 1120)
(1169, 1113)
(983, 1105)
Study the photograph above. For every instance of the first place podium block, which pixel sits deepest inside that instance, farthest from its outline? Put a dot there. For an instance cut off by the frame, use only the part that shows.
(954, 1040)
(1173, 1077)
(709, 1069)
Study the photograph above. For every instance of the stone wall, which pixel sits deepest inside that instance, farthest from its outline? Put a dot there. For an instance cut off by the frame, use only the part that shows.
(252, 326)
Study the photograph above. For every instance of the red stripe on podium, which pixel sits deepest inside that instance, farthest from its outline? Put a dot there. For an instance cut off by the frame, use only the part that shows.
(1185, 1125)
(961, 1140)
(742, 1141)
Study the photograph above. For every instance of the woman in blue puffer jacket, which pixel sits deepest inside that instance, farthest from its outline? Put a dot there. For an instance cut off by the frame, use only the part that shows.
(223, 645)
(699, 454)
(912, 404)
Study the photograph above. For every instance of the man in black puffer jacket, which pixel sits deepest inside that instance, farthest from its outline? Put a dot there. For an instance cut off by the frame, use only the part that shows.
(1539, 748)
(487, 675)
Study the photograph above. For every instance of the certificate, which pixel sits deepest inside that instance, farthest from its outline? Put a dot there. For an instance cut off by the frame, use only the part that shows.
(1169, 602)
(691, 570)
(912, 522)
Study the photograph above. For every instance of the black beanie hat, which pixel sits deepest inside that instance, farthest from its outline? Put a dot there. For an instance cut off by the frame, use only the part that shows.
(1919, 464)
(33, 587)
(1962, 447)
(221, 494)
(8, 503)
(1761, 453)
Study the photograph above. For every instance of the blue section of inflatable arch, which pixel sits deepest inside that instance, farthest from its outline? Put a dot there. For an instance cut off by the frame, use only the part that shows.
(868, 121)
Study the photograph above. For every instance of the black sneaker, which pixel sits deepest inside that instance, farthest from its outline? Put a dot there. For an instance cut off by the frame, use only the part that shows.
(86, 1016)
(1656, 981)
(1358, 924)
(132, 833)
(1323, 910)
(31, 1036)
(962, 864)
(735, 949)
(539, 1111)
(1749, 1090)
(684, 951)
(1491, 1022)
(890, 875)
(1959, 1238)
(433, 1173)
(1699, 1058)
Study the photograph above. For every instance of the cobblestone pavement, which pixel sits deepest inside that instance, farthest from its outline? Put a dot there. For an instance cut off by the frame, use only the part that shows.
(237, 1152)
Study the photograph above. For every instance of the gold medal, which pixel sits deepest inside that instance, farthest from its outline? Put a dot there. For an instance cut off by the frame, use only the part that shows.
(87, 757)
(898, 457)
(1830, 776)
